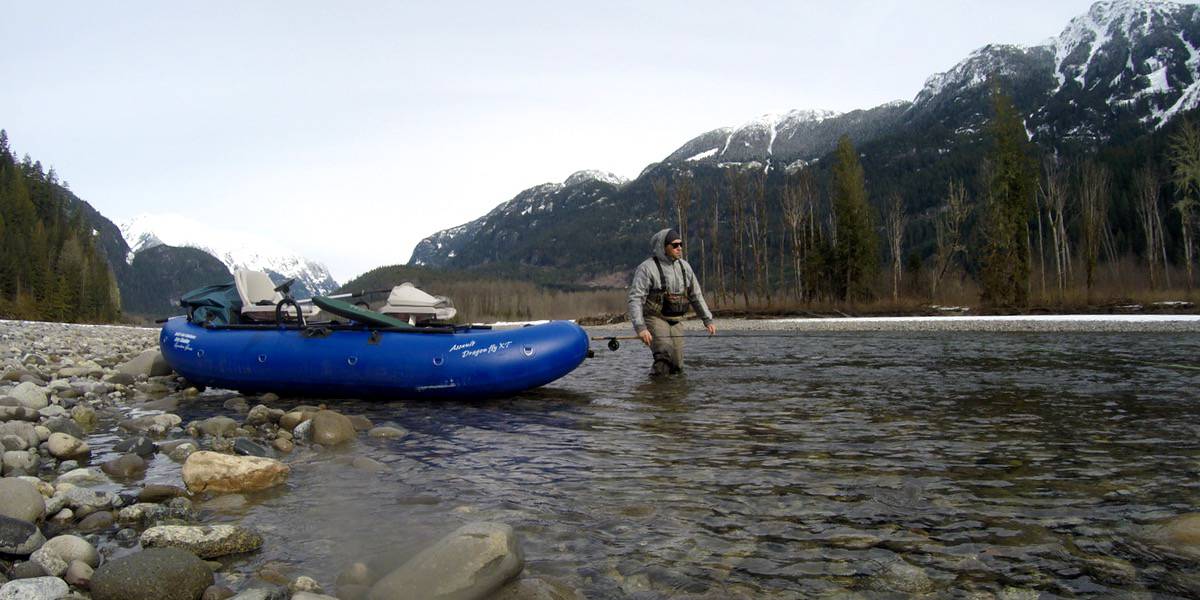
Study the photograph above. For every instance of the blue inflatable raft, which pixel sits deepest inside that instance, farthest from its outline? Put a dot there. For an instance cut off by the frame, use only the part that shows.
(355, 361)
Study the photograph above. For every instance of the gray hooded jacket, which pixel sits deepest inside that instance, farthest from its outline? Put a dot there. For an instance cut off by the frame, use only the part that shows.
(646, 277)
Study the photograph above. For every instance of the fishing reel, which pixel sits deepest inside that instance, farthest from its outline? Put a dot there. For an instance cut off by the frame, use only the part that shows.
(614, 344)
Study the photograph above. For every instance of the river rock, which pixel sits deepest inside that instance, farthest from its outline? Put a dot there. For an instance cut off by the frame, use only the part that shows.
(63, 425)
(537, 589)
(50, 562)
(152, 574)
(205, 541)
(79, 574)
(215, 472)
(19, 462)
(331, 428)
(84, 499)
(65, 446)
(156, 492)
(23, 430)
(18, 413)
(282, 445)
(386, 432)
(37, 588)
(899, 576)
(289, 421)
(73, 548)
(217, 426)
(121, 379)
(84, 416)
(124, 466)
(82, 476)
(245, 447)
(97, 521)
(30, 395)
(474, 561)
(149, 363)
(155, 425)
(1179, 535)
(261, 414)
(20, 499)
(19, 537)
(139, 445)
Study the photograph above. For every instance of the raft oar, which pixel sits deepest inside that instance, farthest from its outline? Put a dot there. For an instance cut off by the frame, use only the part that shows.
(350, 295)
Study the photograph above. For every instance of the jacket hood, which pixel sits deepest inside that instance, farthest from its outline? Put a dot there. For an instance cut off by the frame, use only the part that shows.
(657, 243)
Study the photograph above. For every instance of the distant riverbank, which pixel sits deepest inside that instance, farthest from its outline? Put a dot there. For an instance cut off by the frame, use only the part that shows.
(1016, 323)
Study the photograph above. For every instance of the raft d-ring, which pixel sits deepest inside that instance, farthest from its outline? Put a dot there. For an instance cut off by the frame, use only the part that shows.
(200, 354)
(437, 361)
(352, 360)
(262, 358)
(528, 350)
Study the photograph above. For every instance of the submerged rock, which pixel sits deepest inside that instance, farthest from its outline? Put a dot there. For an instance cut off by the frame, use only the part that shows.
(1180, 535)
(330, 428)
(19, 537)
(474, 561)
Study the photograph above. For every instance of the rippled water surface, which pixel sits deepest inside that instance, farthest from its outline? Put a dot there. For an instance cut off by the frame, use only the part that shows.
(783, 467)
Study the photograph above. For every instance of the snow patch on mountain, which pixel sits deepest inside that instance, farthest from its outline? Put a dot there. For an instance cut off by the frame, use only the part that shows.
(592, 175)
(236, 250)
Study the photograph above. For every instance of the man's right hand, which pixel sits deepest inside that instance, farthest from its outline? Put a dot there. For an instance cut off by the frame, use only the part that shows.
(646, 337)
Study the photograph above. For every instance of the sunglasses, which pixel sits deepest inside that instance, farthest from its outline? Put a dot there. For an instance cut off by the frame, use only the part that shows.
(676, 244)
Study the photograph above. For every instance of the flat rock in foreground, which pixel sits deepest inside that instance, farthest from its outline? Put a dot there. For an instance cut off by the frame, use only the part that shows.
(473, 562)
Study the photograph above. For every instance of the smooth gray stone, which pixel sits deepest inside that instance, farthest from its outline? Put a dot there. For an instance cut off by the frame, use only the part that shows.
(217, 426)
(125, 466)
(64, 425)
(19, 499)
(37, 588)
(152, 574)
(20, 462)
(30, 395)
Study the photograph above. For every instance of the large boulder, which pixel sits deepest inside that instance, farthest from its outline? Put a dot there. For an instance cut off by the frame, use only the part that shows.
(216, 472)
(34, 588)
(152, 574)
(19, 537)
(149, 363)
(473, 562)
(30, 395)
(205, 541)
(20, 499)
(330, 428)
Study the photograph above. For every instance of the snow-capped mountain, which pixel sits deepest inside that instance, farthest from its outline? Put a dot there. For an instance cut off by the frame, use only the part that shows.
(796, 134)
(583, 189)
(235, 250)
(1123, 63)
(1119, 71)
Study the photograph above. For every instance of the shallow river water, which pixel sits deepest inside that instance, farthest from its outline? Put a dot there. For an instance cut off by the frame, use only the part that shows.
(785, 466)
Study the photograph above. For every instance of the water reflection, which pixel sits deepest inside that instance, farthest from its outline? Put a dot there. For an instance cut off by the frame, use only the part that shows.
(784, 467)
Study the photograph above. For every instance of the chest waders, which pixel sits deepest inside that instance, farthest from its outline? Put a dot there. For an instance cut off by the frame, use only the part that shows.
(662, 310)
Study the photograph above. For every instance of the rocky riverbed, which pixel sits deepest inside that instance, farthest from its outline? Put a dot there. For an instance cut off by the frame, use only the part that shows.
(85, 411)
(109, 493)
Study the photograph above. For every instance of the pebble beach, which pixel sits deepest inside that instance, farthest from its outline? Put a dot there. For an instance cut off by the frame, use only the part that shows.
(76, 522)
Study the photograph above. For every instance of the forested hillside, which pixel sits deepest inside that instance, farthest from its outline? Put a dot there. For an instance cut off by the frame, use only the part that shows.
(50, 265)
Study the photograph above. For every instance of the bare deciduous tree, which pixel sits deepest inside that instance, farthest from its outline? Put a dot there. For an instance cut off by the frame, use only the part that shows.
(1146, 183)
(1184, 154)
(895, 223)
(799, 199)
(1094, 184)
(949, 229)
(1053, 191)
(664, 199)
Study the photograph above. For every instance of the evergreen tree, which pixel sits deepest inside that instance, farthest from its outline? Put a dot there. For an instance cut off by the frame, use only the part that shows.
(1011, 179)
(855, 259)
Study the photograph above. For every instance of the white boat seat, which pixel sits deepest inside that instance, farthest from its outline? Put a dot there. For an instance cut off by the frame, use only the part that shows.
(259, 297)
(406, 301)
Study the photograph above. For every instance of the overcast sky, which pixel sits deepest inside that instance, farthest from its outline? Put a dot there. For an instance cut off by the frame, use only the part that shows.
(349, 131)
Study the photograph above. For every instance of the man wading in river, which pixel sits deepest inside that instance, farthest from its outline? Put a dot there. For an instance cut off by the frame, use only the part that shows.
(663, 288)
